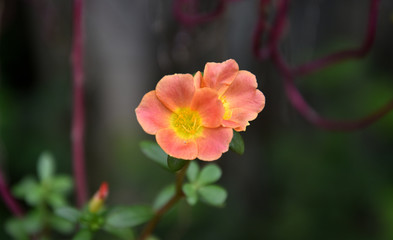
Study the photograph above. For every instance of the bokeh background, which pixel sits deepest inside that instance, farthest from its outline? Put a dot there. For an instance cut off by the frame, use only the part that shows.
(295, 181)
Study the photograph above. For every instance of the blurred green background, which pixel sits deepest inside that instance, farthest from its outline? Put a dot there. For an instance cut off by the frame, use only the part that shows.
(295, 181)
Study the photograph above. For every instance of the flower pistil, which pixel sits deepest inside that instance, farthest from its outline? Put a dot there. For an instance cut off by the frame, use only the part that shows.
(186, 123)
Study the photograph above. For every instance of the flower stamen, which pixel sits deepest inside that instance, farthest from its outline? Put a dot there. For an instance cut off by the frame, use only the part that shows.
(187, 123)
(228, 111)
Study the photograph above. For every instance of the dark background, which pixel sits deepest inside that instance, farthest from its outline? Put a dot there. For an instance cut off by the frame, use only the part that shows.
(295, 181)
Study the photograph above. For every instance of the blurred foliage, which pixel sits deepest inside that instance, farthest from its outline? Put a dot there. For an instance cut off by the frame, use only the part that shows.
(43, 196)
(294, 181)
(200, 185)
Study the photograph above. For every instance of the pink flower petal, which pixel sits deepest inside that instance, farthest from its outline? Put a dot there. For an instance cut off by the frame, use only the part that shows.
(243, 100)
(242, 93)
(209, 107)
(219, 75)
(151, 114)
(240, 119)
(176, 147)
(198, 79)
(176, 90)
(230, 124)
(213, 143)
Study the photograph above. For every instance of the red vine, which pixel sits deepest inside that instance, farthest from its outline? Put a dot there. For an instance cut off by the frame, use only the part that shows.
(78, 121)
(186, 12)
(289, 74)
(8, 199)
(270, 50)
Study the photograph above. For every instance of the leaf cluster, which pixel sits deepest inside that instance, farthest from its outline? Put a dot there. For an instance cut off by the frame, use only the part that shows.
(44, 194)
(201, 185)
(201, 182)
(117, 221)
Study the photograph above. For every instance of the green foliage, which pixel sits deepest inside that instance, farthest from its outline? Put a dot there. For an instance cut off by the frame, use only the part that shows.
(47, 193)
(200, 185)
(69, 213)
(51, 189)
(17, 229)
(175, 164)
(122, 233)
(153, 151)
(164, 196)
(213, 194)
(116, 222)
(190, 191)
(83, 234)
(43, 195)
(45, 167)
(209, 174)
(92, 221)
(193, 171)
(62, 184)
(61, 225)
(34, 222)
(122, 217)
(237, 143)
(29, 190)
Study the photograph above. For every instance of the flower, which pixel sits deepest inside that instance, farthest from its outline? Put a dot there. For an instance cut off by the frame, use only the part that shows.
(237, 91)
(97, 201)
(186, 119)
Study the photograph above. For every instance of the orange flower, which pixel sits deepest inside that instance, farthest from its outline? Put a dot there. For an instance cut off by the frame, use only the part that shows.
(186, 119)
(237, 91)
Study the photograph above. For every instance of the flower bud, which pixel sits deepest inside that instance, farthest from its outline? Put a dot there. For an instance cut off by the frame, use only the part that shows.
(98, 200)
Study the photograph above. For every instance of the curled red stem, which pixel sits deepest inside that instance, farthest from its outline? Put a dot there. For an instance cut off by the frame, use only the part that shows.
(358, 52)
(307, 112)
(192, 16)
(289, 74)
(260, 29)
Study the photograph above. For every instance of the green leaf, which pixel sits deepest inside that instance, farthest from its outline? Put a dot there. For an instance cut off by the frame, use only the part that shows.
(237, 143)
(35, 195)
(83, 234)
(24, 187)
(33, 222)
(71, 214)
(55, 200)
(61, 225)
(175, 164)
(62, 184)
(46, 166)
(193, 171)
(164, 196)
(129, 216)
(191, 193)
(213, 195)
(122, 233)
(209, 174)
(92, 221)
(153, 151)
(14, 227)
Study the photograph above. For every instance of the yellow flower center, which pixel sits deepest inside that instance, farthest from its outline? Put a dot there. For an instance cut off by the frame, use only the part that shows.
(228, 111)
(187, 123)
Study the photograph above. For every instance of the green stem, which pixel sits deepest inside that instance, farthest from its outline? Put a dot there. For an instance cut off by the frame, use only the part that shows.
(171, 202)
(43, 208)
